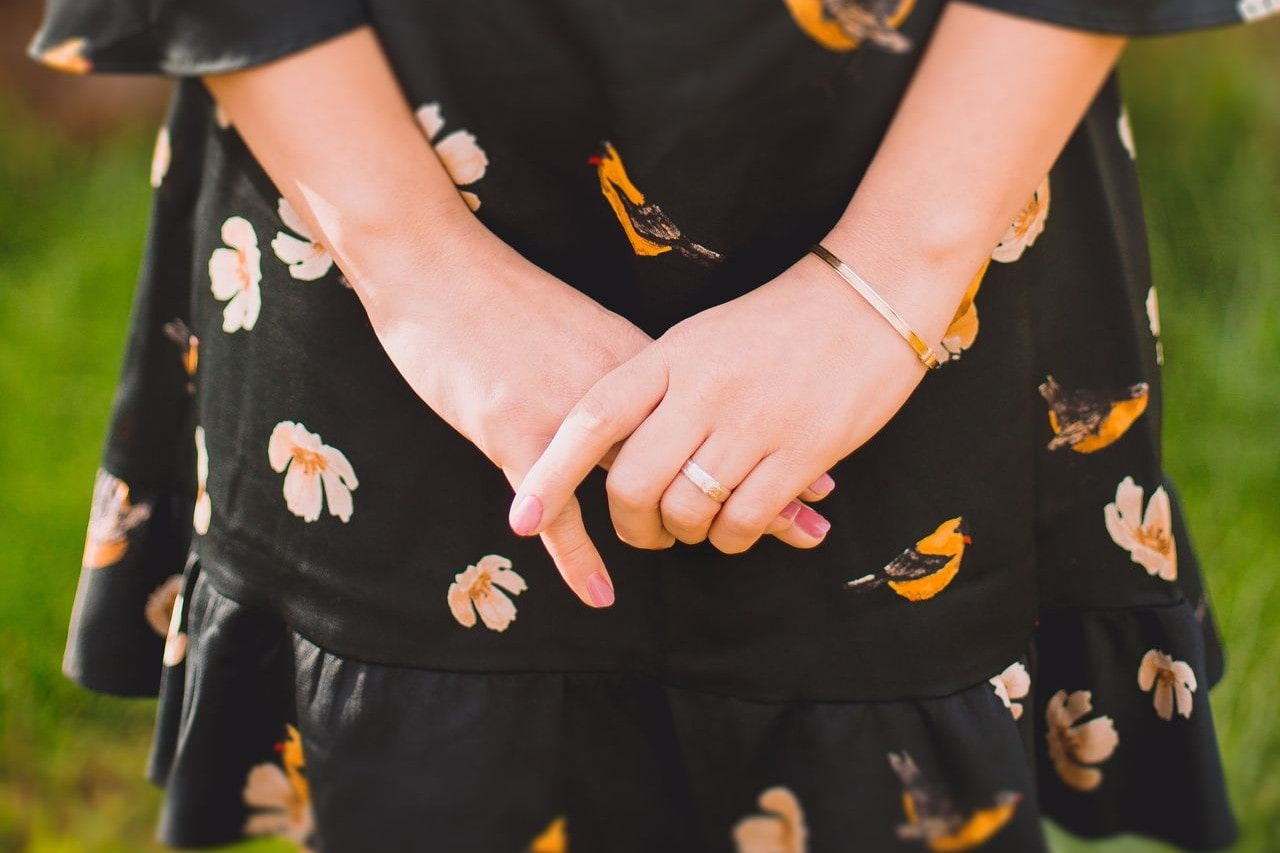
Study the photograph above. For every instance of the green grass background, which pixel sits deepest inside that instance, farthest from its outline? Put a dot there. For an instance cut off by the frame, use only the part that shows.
(1205, 109)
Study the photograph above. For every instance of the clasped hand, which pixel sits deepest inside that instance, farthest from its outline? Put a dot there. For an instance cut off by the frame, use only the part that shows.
(765, 392)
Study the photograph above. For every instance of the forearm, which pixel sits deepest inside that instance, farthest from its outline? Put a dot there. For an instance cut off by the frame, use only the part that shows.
(988, 112)
(331, 128)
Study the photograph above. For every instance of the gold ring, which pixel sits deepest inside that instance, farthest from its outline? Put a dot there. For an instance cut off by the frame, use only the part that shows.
(709, 485)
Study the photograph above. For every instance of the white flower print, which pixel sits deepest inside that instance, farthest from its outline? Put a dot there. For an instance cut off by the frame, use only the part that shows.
(1153, 321)
(204, 508)
(781, 829)
(1253, 10)
(1074, 746)
(465, 160)
(311, 463)
(1013, 683)
(479, 589)
(1148, 538)
(220, 117)
(1169, 681)
(308, 259)
(175, 641)
(160, 157)
(1125, 131)
(1025, 228)
(235, 275)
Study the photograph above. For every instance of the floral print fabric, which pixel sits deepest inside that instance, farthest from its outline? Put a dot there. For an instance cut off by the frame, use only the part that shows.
(278, 515)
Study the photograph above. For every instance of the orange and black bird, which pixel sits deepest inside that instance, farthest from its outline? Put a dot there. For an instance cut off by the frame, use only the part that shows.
(650, 231)
(1088, 419)
(934, 819)
(188, 347)
(553, 839)
(923, 571)
(843, 25)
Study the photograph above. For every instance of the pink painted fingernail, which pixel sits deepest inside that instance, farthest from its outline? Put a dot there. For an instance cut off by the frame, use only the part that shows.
(823, 484)
(812, 523)
(526, 515)
(789, 511)
(599, 590)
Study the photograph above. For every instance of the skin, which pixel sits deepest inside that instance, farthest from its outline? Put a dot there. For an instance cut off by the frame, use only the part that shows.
(970, 136)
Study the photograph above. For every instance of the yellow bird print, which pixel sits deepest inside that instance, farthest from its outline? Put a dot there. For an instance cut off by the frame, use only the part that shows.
(1088, 419)
(934, 819)
(553, 839)
(650, 231)
(960, 335)
(842, 25)
(188, 348)
(922, 572)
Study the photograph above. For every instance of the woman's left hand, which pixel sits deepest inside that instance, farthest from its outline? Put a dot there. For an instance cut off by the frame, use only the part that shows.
(766, 392)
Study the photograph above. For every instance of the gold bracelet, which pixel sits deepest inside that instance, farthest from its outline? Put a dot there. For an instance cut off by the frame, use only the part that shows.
(923, 350)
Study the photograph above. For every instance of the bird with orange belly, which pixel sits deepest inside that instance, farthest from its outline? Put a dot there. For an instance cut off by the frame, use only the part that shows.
(1089, 419)
(650, 231)
(922, 572)
(934, 819)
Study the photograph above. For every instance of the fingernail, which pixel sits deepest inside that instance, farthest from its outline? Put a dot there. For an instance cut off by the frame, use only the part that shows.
(526, 515)
(823, 484)
(599, 590)
(812, 523)
(789, 511)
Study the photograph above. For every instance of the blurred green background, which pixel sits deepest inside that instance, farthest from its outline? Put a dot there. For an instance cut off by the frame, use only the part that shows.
(1205, 111)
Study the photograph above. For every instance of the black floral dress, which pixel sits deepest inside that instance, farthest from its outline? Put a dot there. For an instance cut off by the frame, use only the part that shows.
(353, 650)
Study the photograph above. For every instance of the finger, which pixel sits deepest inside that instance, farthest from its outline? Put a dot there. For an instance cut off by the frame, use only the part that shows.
(609, 412)
(644, 469)
(574, 554)
(819, 488)
(687, 511)
(758, 498)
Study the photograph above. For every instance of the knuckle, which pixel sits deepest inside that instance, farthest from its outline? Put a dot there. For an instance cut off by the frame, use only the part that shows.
(628, 491)
(592, 416)
(678, 516)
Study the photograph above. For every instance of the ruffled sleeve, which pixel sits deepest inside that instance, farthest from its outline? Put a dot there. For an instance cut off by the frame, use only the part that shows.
(1138, 17)
(183, 37)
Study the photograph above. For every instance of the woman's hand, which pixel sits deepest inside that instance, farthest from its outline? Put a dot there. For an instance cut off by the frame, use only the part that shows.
(765, 392)
(503, 358)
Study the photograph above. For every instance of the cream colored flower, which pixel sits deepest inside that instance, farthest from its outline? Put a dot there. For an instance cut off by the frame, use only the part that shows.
(1026, 227)
(1074, 746)
(1148, 538)
(281, 797)
(112, 515)
(465, 160)
(1013, 683)
(204, 508)
(308, 259)
(1254, 10)
(160, 157)
(159, 608)
(220, 117)
(1153, 321)
(1125, 131)
(1169, 681)
(781, 829)
(310, 463)
(235, 274)
(479, 589)
(68, 56)
(175, 640)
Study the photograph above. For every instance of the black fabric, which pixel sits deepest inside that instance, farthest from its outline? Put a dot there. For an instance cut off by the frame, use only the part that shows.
(1137, 17)
(313, 614)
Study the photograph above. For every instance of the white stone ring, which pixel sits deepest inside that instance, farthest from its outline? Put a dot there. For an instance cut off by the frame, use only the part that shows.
(709, 485)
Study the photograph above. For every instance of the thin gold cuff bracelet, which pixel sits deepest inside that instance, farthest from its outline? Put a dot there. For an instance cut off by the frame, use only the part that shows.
(923, 350)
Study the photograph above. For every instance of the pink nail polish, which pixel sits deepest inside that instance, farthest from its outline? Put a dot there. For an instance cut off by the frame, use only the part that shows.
(789, 511)
(812, 523)
(526, 515)
(823, 484)
(599, 590)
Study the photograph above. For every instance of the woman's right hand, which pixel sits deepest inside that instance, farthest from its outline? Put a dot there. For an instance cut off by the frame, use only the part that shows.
(502, 350)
